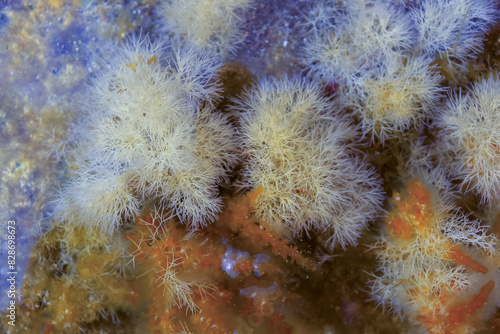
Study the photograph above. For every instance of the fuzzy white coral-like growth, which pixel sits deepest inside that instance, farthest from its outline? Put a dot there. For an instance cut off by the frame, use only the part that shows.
(369, 55)
(98, 197)
(299, 153)
(378, 29)
(452, 27)
(471, 233)
(470, 136)
(150, 130)
(395, 96)
(364, 34)
(211, 25)
(322, 17)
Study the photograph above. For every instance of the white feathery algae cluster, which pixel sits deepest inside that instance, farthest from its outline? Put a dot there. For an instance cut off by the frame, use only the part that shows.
(210, 25)
(382, 54)
(150, 131)
(302, 156)
(470, 145)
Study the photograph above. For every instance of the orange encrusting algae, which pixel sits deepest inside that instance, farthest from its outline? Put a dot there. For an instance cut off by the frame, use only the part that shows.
(190, 288)
(237, 217)
(458, 313)
(398, 226)
(462, 259)
(93, 280)
(411, 212)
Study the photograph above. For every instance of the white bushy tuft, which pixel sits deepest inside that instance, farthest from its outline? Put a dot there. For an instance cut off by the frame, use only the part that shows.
(471, 233)
(470, 134)
(322, 17)
(150, 130)
(99, 198)
(301, 156)
(369, 55)
(452, 27)
(364, 34)
(378, 29)
(210, 25)
(363, 43)
(394, 96)
(331, 57)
